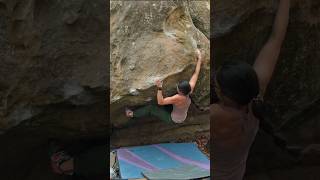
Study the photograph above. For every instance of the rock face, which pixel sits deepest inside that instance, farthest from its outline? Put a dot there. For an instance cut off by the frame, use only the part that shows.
(240, 29)
(200, 14)
(52, 53)
(156, 40)
(53, 76)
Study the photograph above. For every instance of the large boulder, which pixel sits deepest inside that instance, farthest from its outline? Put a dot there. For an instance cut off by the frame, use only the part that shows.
(53, 74)
(239, 31)
(153, 40)
(200, 14)
(53, 60)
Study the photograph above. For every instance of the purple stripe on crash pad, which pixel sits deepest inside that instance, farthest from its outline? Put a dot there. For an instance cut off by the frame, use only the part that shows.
(125, 155)
(182, 159)
(144, 161)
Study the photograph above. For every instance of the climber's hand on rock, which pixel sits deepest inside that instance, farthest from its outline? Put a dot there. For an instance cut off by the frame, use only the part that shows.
(199, 55)
(159, 83)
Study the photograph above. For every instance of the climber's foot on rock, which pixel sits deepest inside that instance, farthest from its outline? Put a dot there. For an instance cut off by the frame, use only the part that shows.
(129, 113)
(149, 99)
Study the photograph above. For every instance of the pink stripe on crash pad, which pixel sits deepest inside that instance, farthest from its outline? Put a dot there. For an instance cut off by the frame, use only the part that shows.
(182, 159)
(126, 155)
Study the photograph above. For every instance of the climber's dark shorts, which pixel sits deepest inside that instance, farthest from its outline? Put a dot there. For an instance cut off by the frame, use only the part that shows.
(161, 112)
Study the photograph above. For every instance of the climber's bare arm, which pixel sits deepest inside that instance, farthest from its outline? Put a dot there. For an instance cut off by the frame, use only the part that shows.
(195, 75)
(268, 56)
(161, 100)
(167, 100)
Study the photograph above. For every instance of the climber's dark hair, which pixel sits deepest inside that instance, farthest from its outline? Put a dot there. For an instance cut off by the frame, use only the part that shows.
(184, 87)
(238, 81)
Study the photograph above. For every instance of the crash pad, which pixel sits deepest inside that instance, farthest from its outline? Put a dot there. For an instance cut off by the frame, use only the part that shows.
(152, 158)
(180, 173)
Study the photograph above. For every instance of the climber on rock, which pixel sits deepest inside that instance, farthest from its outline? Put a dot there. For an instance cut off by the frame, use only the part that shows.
(240, 89)
(171, 109)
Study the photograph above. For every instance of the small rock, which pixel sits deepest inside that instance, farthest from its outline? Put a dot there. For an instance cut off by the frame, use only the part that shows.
(133, 92)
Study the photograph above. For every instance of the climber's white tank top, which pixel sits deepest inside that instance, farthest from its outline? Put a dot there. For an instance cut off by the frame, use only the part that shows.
(179, 114)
